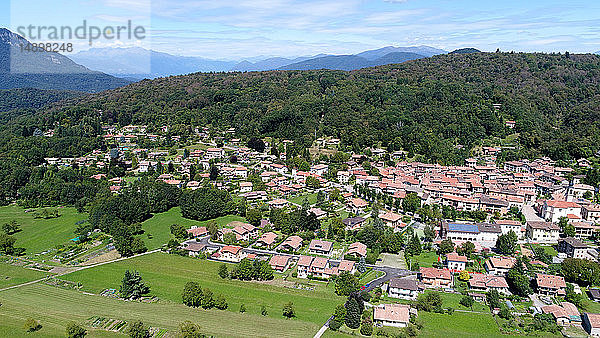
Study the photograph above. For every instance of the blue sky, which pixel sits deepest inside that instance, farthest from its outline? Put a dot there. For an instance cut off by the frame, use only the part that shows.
(233, 29)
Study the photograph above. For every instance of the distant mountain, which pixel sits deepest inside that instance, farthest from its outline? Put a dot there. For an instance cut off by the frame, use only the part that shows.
(421, 50)
(266, 64)
(466, 51)
(44, 70)
(351, 62)
(141, 63)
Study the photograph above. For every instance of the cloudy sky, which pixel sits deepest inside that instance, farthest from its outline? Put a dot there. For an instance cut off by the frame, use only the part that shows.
(234, 29)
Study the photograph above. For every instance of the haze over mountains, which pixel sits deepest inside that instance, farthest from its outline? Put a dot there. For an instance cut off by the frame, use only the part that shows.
(44, 70)
(140, 63)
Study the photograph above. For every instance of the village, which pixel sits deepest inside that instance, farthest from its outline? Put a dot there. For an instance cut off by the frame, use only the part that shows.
(543, 212)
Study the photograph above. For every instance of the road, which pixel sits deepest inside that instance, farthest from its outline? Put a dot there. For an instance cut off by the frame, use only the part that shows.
(530, 214)
(79, 268)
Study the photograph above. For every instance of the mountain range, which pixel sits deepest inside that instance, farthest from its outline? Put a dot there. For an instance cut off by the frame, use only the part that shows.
(20, 68)
(142, 63)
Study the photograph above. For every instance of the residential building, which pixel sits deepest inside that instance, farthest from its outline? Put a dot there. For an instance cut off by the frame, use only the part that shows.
(565, 314)
(499, 266)
(280, 263)
(403, 288)
(542, 232)
(591, 323)
(292, 243)
(485, 283)
(397, 315)
(456, 262)
(435, 278)
(357, 250)
(553, 210)
(318, 247)
(573, 247)
(550, 285)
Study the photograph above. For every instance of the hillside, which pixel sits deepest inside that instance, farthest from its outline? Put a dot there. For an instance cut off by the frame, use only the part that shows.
(352, 62)
(32, 98)
(46, 70)
(437, 107)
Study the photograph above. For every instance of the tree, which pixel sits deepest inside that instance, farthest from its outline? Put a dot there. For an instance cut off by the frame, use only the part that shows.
(366, 327)
(11, 227)
(179, 231)
(411, 202)
(192, 294)
(340, 313)
(493, 299)
(353, 313)
(288, 310)
(361, 267)
(467, 249)
(214, 173)
(429, 233)
(518, 280)
(74, 330)
(263, 310)
(467, 301)
(221, 302)
(138, 330)
(575, 298)
(223, 272)
(313, 182)
(132, 286)
(256, 144)
(207, 299)
(414, 246)
(188, 329)
(242, 308)
(581, 271)
(31, 325)
(346, 283)
(506, 244)
(430, 301)
(446, 246)
(254, 216)
(464, 275)
(569, 230)
(7, 244)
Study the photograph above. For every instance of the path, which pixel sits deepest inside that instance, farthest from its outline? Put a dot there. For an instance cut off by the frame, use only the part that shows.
(77, 269)
(323, 328)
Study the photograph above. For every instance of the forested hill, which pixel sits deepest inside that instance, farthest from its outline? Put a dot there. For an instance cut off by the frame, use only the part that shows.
(429, 106)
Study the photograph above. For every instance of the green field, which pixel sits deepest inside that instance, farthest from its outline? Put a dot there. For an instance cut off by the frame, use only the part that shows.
(159, 226)
(312, 198)
(54, 308)
(426, 259)
(12, 275)
(459, 324)
(38, 235)
(167, 275)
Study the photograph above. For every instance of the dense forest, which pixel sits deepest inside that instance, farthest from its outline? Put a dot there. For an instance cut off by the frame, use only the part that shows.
(438, 107)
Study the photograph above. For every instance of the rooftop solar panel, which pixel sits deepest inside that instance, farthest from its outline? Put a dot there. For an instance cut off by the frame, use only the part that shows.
(463, 227)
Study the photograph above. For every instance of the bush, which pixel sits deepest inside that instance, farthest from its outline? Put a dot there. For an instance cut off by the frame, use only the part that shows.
(288, 310)
(137, 330)
(31, 325)
(334, 325)
(366, 328)
(73, 330)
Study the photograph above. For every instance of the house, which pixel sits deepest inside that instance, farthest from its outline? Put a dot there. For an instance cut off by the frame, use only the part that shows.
(486, 283)
(320, 267)
(278, 203)
(353, 223)
(292, 243)
(266, 240)
(566, 313)
(484, 234)
(542, 232)
(245, 187)
(194, 249)
(346, 266)
(356, 205)
(320, 214)
(507, 225)
(214, 153)
(357, 250)
(397, 315)
(553, 210)
(391, 219)
(499, 266)
(573, 247)
(403, 288)
(196, 231)
(435, 278)
(280, 263)
(244, 231)
(550, 285)
(456, 262)
(591, 323)
(303, 266)
(230, 253)
(591, 213)
(318, 247)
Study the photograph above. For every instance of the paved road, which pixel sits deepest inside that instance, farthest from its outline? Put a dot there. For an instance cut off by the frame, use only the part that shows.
(323, 328)
(530, 214)
(76, 269)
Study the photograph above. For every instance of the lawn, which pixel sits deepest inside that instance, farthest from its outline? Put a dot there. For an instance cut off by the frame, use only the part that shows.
(38, 235)
(426, 258)
(550, 250)
(12, 275)
(312, 198)
(459, 324)
(167, 275)
(55, 307)
(159, 226)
